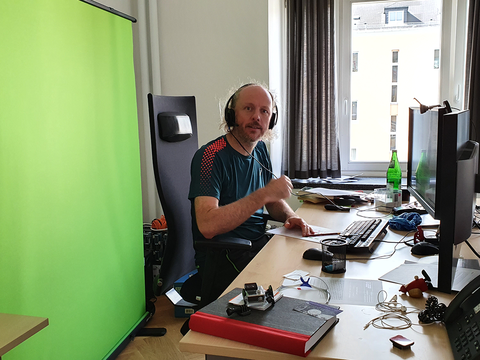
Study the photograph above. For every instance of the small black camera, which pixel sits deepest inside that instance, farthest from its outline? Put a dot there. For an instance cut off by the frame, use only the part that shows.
(252, 294)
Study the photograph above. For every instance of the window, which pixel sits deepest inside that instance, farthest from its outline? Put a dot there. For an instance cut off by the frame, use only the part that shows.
(394, 94)
(395, 56)
(395, 17)
(393, 142)
(355, 62)
(378, 87)
(353, 153)
(393, 123)
(373, 83)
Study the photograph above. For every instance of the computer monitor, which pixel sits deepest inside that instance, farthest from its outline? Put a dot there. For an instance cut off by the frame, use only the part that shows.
(441, 174)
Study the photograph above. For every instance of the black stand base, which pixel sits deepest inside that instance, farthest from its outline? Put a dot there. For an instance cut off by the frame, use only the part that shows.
(139, 330)
(151, 332)
(143, 331)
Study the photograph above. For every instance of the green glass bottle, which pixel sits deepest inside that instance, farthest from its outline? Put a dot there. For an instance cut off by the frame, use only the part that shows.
(394, 173)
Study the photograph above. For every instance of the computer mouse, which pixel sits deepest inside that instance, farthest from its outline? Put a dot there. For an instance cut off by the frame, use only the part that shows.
(424, 248)
(336, 207)
(344, 201)
(313, 254)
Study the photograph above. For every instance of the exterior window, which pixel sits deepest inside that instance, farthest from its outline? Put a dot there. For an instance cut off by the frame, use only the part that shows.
(418, 39)
(362, 29)
(394, 93)
(354, 110)
(394, 73)
(353, 153)
(355, 62)
(395, 56)
(395, 17)
(393, 123)
(393, 142)
(436, 59)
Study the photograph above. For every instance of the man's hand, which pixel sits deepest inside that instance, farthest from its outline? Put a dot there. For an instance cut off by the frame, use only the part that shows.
(278, 189)
(295, 221)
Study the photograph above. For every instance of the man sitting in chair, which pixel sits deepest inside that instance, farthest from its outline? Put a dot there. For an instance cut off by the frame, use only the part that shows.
(231, 182)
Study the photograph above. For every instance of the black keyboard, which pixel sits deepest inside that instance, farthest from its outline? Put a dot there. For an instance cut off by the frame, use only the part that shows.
(364, 235)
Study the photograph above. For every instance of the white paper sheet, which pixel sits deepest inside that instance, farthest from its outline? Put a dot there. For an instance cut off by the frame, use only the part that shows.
(406, 273)
(297, 233)
(342, 291)
(328, 192)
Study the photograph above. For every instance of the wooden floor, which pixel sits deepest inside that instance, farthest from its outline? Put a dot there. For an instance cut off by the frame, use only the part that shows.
(163, 347)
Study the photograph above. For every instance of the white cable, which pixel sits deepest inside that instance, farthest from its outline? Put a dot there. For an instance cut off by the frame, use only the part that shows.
(393, 311)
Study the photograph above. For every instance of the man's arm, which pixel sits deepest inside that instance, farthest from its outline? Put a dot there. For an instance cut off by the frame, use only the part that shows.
(281, 211)
(213, 219)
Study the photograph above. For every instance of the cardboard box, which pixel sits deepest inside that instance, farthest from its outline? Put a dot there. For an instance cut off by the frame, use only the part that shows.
(183, 309)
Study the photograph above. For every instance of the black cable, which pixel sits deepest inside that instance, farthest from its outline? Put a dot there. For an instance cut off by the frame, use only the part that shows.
(473, 250)
(385, 256)
(253, 157)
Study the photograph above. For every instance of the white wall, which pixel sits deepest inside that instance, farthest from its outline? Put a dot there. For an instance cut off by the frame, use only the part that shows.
(209, 46)
(202, 48)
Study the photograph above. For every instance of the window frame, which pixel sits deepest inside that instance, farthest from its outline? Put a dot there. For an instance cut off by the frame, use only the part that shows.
(452, 76)
(395, 22)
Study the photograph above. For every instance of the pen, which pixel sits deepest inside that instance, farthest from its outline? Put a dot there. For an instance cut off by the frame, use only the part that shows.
(323, 234)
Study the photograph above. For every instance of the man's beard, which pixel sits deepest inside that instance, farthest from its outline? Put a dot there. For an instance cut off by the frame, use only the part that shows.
(243, 135)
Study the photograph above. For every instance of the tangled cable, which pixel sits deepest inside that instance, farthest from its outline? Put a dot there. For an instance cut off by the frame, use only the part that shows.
(393, 311)
(434, 311)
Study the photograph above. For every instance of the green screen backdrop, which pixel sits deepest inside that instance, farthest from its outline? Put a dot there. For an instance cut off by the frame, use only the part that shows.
(71, 244)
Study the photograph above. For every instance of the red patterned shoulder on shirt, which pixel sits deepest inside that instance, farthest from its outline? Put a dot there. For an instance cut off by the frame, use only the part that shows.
(207, 160)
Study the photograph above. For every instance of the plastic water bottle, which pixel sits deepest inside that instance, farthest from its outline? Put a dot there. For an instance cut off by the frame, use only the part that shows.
(394, 173)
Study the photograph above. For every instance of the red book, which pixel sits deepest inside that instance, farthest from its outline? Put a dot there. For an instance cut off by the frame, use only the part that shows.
(292, 326)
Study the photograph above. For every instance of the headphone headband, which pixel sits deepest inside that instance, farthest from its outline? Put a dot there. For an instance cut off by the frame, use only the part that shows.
(230, 113)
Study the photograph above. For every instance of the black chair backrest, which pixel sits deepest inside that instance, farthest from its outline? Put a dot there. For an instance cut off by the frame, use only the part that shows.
(171, 162)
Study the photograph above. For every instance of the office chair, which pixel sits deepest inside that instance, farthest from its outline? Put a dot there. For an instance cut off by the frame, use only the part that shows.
(173, 126)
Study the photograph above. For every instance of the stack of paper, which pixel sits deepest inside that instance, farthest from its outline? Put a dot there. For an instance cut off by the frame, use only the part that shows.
(320, 194)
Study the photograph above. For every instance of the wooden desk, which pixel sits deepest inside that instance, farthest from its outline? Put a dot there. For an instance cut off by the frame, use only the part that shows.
(14, 329)
(348, 339)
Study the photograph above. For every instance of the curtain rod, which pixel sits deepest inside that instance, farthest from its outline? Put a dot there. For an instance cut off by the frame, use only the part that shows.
(110, 10)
